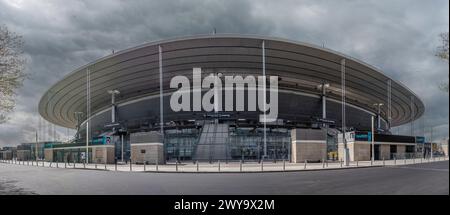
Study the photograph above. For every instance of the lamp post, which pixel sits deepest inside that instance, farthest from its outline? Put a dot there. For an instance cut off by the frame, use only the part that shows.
(88, 111)
(372, 142)
(113, 104)
(378, 105)
(36, 149)
(323, 87)
(113, 93)
(78, 116)
(343, 102)
(431, 142)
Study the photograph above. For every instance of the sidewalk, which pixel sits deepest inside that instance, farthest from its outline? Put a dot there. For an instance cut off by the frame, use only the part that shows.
(247, 167)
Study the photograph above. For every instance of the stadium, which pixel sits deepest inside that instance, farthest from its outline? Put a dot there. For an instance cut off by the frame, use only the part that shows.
(120, 105)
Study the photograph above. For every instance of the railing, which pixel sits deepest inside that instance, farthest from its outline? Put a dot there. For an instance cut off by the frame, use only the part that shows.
(232, 166)
(405, 155)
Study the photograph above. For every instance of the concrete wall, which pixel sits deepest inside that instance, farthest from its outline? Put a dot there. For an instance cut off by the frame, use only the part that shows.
(361, 151)
(401, 150)
(385, 151)
(445, 149)
(147, 147)
(308, 144)
(148, 153)
(102, 154)
(48, 154)
(358, 151)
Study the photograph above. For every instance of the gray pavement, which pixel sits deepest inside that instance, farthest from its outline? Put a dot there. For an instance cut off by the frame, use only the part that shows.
(424, 178)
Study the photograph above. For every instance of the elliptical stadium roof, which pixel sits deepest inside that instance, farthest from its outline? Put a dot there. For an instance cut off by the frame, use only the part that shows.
(301, 67)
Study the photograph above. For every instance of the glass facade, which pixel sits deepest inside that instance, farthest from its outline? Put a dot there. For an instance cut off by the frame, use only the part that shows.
(238, 143)
(180, 144)
(248, 143)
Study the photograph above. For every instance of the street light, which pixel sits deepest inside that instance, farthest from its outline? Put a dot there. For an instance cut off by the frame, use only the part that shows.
(113, 93)
(113, 108)
(78, 116)
(378, 114)
(372, 141)
(324, 87)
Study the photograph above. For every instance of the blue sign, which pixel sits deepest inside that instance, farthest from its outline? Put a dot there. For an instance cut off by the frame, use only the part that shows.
(363, 136)
(420, 139)
(102, 140)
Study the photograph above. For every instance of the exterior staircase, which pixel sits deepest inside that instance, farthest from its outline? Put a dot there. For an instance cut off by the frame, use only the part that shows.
(212, 144)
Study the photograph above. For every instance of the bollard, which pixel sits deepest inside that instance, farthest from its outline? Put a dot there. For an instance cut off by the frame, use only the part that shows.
(383, 161)
(284, 165)
(50, 165)
(131, 166)
(395, 160)
(95, 165)
(240, 166)
(305, 164)
(145, 166)
(197, 166)
(105, 165)
(157, 165)
(84, 164)
(176, 166)
(357, 163)
(262, 165)
(323, 164)
(65, 165)
(115, 165)
(340, 162)
(219, 164)
(74, 164)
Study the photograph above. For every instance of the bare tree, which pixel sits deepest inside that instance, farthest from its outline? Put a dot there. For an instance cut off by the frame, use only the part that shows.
(442, 53)
(12, 72)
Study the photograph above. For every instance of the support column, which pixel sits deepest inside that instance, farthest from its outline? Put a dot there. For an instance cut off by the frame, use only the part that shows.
(88, 111)
(264, 97)
(389, 102)
(161, 98)
(344, 141)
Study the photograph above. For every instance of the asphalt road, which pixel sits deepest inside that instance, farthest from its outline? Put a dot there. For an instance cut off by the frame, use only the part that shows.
(426, 178)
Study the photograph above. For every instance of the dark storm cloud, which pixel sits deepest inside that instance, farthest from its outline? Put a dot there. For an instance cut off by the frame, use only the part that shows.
(399, 37)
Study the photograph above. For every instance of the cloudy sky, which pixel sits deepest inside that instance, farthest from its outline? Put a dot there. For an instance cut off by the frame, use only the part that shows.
(398, 36)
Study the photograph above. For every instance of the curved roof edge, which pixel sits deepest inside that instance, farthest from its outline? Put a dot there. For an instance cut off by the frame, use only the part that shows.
(245, 36)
